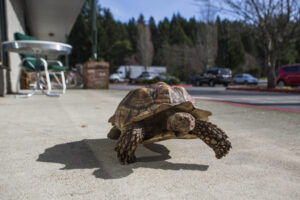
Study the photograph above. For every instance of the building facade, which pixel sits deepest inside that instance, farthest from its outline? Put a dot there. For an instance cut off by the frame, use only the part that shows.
(50, 20)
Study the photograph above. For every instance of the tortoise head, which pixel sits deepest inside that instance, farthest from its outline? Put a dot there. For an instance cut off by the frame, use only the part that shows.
(181, 122)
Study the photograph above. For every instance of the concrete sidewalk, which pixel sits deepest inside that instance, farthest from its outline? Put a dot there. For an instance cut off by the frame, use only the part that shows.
(56, 148)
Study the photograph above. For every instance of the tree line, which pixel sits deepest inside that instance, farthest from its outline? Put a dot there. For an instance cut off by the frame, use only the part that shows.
(184, 46)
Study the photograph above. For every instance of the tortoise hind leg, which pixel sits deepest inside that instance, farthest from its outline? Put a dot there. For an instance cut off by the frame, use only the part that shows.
(128, 142)
(114, 133)
(213, 136)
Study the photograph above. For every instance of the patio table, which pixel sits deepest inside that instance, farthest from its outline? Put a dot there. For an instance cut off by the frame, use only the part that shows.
(38, 48)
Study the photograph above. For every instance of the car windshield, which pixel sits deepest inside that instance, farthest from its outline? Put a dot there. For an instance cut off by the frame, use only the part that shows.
(225, 71)
(248, 76)
(161, 76)
(212, 71)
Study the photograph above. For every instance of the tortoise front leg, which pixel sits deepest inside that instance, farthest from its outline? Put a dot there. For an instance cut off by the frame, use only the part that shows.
(128, 142)
(213, 136)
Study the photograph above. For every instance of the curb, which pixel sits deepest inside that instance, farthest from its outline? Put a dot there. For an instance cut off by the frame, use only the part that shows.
(297, 91)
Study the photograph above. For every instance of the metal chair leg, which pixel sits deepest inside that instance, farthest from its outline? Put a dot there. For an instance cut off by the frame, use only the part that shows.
(63, 82)
(48, 82)
(56, 78)
(35, 89)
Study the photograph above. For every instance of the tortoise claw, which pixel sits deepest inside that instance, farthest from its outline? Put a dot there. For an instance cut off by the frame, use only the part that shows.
(125, 157)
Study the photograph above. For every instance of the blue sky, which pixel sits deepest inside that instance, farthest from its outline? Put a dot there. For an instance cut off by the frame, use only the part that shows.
(124, 10)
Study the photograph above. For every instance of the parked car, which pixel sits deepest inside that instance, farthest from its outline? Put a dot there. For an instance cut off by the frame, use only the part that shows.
(131, 72)
(193, 79)
(213, 76)
(144, 77)
(288, 75)
(245, 79)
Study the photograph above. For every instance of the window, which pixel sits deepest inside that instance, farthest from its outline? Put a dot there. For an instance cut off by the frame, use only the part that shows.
(225, 71)
(213, 71)
(291, 69)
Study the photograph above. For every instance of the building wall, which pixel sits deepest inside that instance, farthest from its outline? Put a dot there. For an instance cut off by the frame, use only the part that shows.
(15, 23)
(38, 18)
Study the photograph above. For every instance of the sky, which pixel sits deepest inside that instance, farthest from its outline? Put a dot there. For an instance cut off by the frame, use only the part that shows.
(123, 10)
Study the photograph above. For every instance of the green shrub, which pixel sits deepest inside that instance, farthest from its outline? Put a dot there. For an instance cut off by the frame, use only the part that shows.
(139, 81)
(172, 81)
(169, 80)
(150, 81)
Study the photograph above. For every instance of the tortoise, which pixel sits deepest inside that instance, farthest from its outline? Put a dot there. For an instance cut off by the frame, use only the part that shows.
(161, 112)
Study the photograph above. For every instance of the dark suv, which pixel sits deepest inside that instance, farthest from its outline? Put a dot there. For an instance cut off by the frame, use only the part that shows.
(213, 76)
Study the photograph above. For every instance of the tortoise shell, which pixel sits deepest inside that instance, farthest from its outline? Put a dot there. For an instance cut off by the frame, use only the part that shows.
(142, 103)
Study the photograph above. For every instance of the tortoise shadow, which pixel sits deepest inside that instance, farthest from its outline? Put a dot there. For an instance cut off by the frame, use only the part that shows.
(100, 154)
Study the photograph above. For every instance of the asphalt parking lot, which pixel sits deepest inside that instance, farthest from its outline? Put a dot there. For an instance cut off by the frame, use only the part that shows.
(284, 101)
(56, 148)
(277, 100)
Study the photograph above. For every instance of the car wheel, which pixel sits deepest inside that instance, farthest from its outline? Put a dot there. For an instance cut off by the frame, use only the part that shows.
(281, 83)
(211, 83)
(246, 82)
(198, 83)
(116, 81)
(225, 84)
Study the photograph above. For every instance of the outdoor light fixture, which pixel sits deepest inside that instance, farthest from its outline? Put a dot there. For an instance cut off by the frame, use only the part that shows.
(51, 34)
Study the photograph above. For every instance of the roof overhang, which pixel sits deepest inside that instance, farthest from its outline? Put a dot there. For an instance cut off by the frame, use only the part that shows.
(52, 20)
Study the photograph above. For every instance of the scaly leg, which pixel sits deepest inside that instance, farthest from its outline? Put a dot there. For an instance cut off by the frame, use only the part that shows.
(213, 136)
(128, 142)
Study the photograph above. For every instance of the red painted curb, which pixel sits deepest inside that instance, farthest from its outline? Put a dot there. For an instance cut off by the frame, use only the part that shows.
(248, 105)
(264, 89)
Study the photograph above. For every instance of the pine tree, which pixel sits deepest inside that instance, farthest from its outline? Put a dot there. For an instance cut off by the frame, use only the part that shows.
(177, 34)
(164, 32)
(80, 37)
(231, 53)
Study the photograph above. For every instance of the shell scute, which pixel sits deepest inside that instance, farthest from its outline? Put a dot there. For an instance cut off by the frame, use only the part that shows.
(142, 103)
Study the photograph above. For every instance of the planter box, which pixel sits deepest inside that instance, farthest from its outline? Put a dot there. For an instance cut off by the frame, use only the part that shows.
(96, 75)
